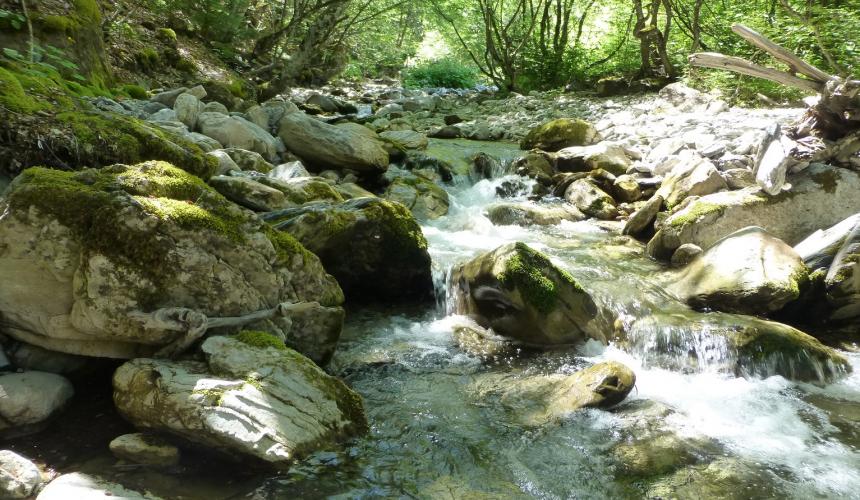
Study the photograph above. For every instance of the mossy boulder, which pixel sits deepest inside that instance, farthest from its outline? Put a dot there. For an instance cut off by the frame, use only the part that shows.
(520, 294)
(301, 190)
(820, 197)
(249, 193)
(267, 403)
(558, 134)
(741, 345)
(747, 272)
(107, 262)
(423, 197)
(374, 247)
(529, 214)
(589, 199)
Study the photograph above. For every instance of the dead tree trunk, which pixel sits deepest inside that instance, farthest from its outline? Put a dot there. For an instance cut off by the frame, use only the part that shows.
(836, 114)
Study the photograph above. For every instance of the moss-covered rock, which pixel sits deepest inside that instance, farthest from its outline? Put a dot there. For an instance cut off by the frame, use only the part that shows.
(521, 294)
(423, 197)
(373, 247)
(558, 134)
(266, 403)
(301, 190)
(100, 251)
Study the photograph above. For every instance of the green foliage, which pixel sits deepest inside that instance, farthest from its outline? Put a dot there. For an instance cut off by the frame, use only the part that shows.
(261, 340)
(11, 20)
(134, 91)
(447, 73)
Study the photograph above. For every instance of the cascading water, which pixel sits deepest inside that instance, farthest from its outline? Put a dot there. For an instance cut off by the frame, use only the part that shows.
(693, 428)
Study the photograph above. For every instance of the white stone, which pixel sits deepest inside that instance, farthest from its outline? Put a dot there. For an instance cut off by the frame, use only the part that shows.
(19, 477)
(30, 398)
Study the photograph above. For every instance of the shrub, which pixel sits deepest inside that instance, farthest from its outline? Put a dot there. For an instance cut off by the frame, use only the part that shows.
(447, 73)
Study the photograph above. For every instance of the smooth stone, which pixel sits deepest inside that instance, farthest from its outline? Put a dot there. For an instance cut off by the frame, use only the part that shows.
(19, 477)
(80, 486)
(29, 399)
(145, 449)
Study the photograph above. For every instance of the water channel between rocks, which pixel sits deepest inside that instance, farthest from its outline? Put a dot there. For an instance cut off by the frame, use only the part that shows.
(437, 432)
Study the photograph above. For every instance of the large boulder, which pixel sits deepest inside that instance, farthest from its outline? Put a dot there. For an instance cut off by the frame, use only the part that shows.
(251, 396)
(820, 248)
(19, 477)
(740, 345)
(82, 486)
(301, 190)
(328, 146)
(127, 261)
(522, 295)
(249, 193)
(235, 132)
(820, 197)
(29, 400)
(747, 272)
(542, 399)
(373, 247)
(558, 134)
(609, 156)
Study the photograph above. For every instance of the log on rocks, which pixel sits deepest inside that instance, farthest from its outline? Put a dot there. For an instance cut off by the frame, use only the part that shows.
(835, 115)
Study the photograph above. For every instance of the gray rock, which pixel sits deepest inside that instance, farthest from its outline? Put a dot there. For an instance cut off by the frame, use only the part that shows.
(198, 91)
(266, 402)
(591, 200)
(843, 278)
(80, 486)
(249, 161)
(188, 109)
(522, 295)
(258, 116)
(289, 170)
(820, 247)
(423, 197)
(248, 193)
(685, 254)
(168, 98)
(405, 139)
(692, 176)
(29, 400)
(164, 115)
(604, 155)
(820, 196)
(153, 107)
(747, 272)
(739, 178)
(326, 145)
(205, 143)
(626, 189)
(31, 357)
(225, 162)
(145, 449)
(19, 477)
(301, 190)
(216, 107)
(235, 132)
(388, 109)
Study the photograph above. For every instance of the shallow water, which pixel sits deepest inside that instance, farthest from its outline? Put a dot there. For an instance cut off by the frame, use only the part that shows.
(437, 432)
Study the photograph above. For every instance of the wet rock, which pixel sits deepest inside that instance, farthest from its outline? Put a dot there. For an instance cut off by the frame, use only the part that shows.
(350, 190)
(655, 455)
(559, 134)
(446, 132)
(423, 197)
(740, 345)
(534, 165)
(145, 449)
(325, 145)
(747, 272)
(725, 478)
(528, 214)
(820, 247)
(842, 282)
(19, 477)
(374, 247)
(591, 200)
(234, 132)
(82, 486)
(405, 139)
(248, 193)
(253, 398)
(29, 400)
(604, 155)
(483, 344)
(325, 103)
(685, 254)
(820, 196)
(522, 295)
(544, 399)
(133, 258)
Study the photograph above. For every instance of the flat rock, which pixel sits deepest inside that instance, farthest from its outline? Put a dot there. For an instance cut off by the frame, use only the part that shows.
(145, 449)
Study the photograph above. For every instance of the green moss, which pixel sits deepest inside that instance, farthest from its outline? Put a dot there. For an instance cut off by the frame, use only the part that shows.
(134, 91)
(185, 65)
(260, 340)
(14, 98)
(531, 272)
(695, 212)
(557, 134)
(213, 397)
(402, 231)
(236, 88)
(88, 10)
(286, 247)
(166, 35)
(93, 204)
(105, 139)
(148, 58)
(56, 24)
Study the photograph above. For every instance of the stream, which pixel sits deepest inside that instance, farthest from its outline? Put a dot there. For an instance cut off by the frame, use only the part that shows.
(686, 432)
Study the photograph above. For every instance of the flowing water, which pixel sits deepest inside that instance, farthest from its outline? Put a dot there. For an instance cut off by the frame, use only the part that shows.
(687, 431)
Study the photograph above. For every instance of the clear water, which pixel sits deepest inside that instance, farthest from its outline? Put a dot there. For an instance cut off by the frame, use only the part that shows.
(437, 432)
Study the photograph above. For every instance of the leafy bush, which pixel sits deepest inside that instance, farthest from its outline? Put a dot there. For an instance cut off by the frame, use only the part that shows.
(447, 73)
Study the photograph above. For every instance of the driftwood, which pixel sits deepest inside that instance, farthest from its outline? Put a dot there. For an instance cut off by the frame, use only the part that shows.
(836, 114)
